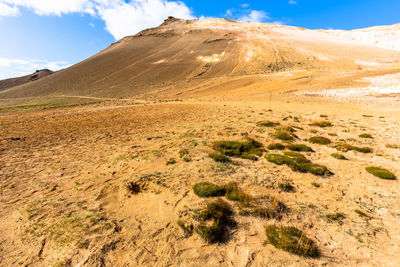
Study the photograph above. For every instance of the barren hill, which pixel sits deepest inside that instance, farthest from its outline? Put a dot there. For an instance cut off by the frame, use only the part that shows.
(8, 83)
(184, 54)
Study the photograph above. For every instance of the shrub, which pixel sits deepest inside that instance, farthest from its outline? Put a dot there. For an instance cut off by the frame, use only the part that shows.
(219, 212)
(247, 149)
(267, 124)
(322, 124)
(235, 194)
(133, 187)
(183, 152)
(291, 240)
(286, 187)
(276, 146)
(317, 185)
(338, 156)
(206, 189)
(299, 147)
(381, 173)
(219, 158)
(285, 134)
(277, 159)
(171, 161)
(346, 147)
(366, 136)
(335, 217)
(361, 213)
(320, 140)
(298, 163)
(266, 207)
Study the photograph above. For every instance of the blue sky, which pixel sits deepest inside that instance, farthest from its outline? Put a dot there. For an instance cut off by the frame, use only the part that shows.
(57, 33)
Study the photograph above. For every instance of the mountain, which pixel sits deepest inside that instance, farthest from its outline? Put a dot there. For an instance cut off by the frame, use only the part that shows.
(8, 83)
(187, 53)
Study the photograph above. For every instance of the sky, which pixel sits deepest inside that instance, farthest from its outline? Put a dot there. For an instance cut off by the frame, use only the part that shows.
(55, 34)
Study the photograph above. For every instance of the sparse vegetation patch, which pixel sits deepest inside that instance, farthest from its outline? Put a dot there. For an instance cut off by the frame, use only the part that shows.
(344, 147)
(247, 149)
(300, 147)
(322, 123)
(298, 163)
(276, 146)
(286, 187)
(381, 173)
(337, 217)
(291, 240)
(267, 124)
(320, 140)
(219, 212)
(206, 189)
(219, 158)
(368, 136)
(338, 156)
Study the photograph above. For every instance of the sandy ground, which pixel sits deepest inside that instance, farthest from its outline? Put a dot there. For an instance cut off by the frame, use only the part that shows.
(63, 171)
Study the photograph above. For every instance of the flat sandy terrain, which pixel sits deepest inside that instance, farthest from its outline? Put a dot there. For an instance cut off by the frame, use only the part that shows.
(64, 171)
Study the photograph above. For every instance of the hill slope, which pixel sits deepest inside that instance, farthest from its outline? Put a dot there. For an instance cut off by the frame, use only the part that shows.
(9, 83)
(185, 53)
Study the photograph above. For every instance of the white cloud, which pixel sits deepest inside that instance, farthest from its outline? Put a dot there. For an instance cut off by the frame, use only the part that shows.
(53, 7)
(292, 2)
(8, 10)
(244, 5)
(129, 18)
(18, 67)
(255, 16)
(121, 18)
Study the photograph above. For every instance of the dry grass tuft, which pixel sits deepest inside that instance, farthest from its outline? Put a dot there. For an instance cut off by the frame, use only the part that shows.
(291, 240)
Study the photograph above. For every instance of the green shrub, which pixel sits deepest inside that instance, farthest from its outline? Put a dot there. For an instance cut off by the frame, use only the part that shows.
(291, 240)
(317, 185)
(247, 149)
(299, 147)
(338, 156)
(381, 173)
(219, 158)
(366, 136)
(320, 140)
(267, 124)
(322, 124)
(235, 194)
(284, 134)
(298, 163)
(206, 189)
(219, 212)
(347, 147)
(276, 146)
(278, 159)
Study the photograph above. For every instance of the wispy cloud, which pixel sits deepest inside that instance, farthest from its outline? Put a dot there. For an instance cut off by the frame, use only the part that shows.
(11, 67)
(245, 13)
(121, 18)
(292, 2)
(255, 16)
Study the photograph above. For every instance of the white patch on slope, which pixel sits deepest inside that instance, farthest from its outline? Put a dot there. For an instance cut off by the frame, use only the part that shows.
(215, 58)
(379, 85)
